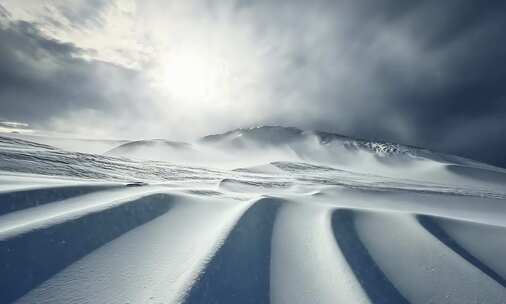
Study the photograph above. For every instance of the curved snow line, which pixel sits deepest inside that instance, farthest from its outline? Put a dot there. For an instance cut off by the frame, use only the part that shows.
(246, 250)
(431, 225)
(31, 258)
(307, 265)
(153, 263)
(14, 181)
(378, 287)
(474, 209)
(22, 199)
(420, 266)
(22, 221)
(485, 242)
(250, 186)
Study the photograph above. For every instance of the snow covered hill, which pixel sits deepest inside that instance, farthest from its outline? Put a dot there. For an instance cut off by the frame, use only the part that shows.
(262, 215)
(154, 149)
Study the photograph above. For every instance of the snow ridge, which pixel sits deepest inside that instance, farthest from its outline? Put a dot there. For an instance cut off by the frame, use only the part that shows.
(320, 218)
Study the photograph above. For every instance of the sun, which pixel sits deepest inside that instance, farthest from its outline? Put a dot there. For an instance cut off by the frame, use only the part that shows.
(194, 76)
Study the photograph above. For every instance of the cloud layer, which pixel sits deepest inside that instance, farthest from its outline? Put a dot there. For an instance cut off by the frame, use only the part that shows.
(427, 73)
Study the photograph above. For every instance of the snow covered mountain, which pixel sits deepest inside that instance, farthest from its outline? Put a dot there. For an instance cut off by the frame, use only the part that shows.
(299, 140)
(266, 144)
(154, 149)
(261, 215)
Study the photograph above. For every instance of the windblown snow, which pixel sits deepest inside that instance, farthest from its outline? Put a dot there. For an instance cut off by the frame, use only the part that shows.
(262, 215)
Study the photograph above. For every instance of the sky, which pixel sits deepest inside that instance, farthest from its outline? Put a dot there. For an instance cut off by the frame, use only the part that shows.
(425, 73)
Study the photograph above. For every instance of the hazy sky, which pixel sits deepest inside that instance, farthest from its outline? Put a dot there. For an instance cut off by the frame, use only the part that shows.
(427, 73)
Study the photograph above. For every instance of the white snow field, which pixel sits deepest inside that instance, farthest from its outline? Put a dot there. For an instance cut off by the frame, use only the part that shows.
(262, 215)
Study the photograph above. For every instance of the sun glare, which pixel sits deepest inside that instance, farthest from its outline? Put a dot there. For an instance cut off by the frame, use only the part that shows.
(194, 76)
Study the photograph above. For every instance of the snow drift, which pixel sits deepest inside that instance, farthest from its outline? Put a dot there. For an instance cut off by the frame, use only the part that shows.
(262, 215)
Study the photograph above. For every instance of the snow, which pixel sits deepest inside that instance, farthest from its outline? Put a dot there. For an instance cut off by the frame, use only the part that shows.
(261, 215)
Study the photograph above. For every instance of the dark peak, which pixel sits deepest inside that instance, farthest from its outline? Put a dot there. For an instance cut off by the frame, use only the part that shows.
(265, 135)
(152, 143)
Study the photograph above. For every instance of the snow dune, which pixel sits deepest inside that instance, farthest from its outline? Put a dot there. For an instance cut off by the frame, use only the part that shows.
(263, 215)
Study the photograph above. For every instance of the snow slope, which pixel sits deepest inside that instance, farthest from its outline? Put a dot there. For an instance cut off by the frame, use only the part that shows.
(264, 215)
(65, 142)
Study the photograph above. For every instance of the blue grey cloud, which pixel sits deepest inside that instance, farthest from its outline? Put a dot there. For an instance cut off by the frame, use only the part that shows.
(42, 79)
(426, 73)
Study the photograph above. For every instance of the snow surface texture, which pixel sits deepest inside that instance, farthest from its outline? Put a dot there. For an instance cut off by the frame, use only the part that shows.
(262, 215)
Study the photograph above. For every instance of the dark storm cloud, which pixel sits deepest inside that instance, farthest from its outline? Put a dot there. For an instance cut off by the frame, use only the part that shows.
(427, 73)
(42, 79)
(462, 108)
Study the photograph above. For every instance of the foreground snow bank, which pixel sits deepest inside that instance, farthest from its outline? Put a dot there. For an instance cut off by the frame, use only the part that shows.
(303, 223)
